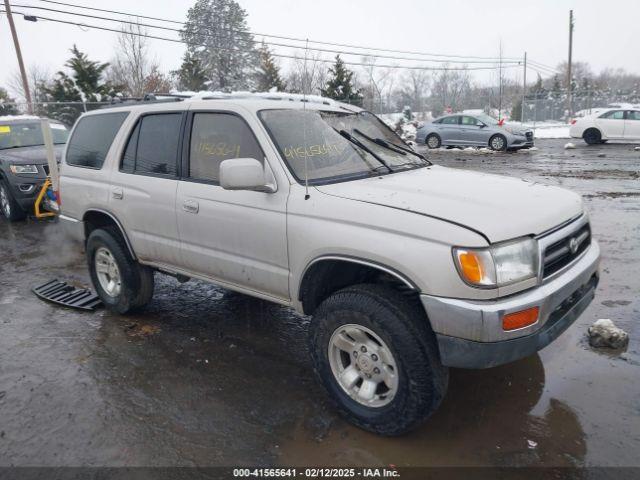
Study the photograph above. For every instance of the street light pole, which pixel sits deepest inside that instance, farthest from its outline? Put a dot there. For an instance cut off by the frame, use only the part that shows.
(16, 43)
(569, 82)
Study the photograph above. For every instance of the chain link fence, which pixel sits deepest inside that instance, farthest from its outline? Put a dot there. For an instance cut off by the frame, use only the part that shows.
(553, 105)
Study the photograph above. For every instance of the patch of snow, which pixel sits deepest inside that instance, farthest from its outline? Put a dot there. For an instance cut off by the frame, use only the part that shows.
(531, 444)
(604, 333)
(8, 118)
(569, 146)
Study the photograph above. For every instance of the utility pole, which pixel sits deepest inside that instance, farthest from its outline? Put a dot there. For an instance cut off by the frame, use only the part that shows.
(16, 43)
(569, 78)
(500, 85)
(524, 87)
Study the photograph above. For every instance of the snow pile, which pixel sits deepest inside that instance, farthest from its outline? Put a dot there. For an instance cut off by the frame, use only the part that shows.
(8, 118)
(569, 146)
(603, 333)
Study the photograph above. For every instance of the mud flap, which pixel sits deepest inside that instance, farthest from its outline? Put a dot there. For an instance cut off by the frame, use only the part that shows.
(67, 295)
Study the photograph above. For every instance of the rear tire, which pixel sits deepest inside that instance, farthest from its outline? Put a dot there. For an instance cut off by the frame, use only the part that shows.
(433, 141)
(401, 351)
(592, 136)
(11, 210)
(123, 285)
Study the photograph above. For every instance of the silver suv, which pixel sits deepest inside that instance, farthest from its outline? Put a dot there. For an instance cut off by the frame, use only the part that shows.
(407, 268)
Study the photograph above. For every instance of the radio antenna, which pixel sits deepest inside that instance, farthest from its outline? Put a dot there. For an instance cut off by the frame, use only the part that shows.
(304, 122)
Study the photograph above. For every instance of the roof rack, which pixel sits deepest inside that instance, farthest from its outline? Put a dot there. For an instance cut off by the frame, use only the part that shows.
(147, 98)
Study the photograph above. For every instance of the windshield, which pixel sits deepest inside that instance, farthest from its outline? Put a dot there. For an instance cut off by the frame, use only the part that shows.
(484, 118)
(334, 146)
(29, 134)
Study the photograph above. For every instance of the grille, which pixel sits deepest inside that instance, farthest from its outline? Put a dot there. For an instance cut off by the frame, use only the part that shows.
(46, 169)
(563, 252)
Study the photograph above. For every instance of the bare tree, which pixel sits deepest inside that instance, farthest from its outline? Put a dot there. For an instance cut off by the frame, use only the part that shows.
(37, 76)
(449, 89)
(308, 76)
(133, 68)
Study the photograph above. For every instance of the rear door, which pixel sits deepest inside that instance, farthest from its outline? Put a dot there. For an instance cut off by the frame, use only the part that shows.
(233, 237)
(632, 125)
(449, 130)
(143, 188)
(611, 124)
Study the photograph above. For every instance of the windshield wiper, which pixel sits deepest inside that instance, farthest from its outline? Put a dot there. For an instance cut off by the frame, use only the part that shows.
(391, 146)
(358, 143)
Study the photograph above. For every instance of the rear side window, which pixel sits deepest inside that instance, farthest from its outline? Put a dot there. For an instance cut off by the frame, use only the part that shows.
(153, 145)
(450, 120)
(92, 139)
(614, 115)
(216, 137)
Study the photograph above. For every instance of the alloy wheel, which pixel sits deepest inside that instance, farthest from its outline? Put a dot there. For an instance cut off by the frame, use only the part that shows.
(363, 365)
(108, 272)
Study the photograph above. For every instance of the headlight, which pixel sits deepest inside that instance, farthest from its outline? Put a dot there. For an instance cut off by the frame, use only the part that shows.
(498, 265)
(24, 168)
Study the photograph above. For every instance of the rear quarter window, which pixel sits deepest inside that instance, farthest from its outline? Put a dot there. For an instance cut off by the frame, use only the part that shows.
(92, 139)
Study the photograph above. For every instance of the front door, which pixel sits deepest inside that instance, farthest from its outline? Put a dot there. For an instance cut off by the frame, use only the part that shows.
(611, 124)
(235, 237)
(473, 131)
(632, 125)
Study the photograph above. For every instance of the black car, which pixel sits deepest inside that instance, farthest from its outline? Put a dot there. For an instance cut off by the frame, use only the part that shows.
(23, 162)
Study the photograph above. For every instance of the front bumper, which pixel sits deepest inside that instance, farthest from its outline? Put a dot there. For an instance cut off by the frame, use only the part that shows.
(470, 334)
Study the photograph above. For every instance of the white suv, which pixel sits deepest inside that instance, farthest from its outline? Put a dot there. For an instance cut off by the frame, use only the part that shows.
(407, 268)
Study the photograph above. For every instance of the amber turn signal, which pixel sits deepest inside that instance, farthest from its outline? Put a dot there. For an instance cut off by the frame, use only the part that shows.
(471, 267)
(521, 319)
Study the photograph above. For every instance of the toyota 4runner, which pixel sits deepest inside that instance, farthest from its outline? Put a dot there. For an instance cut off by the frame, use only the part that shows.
(407, 268)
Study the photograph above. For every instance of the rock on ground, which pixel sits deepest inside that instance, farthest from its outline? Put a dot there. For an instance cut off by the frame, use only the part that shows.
(603, 333)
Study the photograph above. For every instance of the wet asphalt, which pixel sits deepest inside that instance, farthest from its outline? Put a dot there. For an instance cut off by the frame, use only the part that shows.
(208, 377)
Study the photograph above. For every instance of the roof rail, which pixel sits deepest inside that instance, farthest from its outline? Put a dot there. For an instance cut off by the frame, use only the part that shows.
(147, 98)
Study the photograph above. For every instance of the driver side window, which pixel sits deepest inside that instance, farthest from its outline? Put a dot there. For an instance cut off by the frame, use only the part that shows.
(469, 121)
(216, 137)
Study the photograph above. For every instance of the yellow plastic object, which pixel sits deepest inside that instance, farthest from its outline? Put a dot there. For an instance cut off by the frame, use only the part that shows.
(43, 191)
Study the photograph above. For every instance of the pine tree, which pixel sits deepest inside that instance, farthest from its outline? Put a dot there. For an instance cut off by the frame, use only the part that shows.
(340, 84)
(191, 76)
(268, 76)
(83, 85)
(5, 103)
(516, 111)
(217, 34)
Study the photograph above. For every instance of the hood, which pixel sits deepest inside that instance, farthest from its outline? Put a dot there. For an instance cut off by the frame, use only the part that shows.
(500, 208)
(30, 155)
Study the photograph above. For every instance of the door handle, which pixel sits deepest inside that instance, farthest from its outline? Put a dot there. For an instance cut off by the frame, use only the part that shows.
(117, 193)
(190, 206)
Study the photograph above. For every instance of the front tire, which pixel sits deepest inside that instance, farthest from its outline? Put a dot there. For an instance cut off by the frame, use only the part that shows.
(122, 284)
(592, 136)
(377, 357)
(498, 143)
(433, 141)
(8, 205)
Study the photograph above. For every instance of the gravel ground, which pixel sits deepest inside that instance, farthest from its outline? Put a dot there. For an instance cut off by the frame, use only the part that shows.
(209, 377)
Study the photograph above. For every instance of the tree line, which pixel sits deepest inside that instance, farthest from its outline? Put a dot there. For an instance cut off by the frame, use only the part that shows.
(222, 55)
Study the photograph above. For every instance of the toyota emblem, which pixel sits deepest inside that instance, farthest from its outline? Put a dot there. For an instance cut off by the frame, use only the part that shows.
(573, 245)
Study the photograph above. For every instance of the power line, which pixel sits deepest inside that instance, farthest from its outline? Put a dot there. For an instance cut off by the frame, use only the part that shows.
(174, 40)
(282, 37)
(275, 44)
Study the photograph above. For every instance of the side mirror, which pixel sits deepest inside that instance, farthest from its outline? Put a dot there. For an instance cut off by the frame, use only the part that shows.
(481, 125)
(244, 174)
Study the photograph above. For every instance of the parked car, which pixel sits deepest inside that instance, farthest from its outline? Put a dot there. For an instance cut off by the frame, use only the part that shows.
(407, 268)
(23, 162)
(610, 124)
(481, 130)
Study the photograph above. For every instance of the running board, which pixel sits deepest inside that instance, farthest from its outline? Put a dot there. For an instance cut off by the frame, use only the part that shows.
(67, 295)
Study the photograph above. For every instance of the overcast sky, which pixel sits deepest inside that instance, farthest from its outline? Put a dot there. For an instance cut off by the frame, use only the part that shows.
(606, 33)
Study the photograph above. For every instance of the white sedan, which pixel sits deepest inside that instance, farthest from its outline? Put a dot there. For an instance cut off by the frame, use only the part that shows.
(610, 124)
